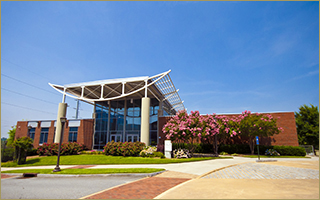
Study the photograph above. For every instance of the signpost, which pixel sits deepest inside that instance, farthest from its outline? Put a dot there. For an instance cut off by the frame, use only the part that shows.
(257, 141)
(167, 148)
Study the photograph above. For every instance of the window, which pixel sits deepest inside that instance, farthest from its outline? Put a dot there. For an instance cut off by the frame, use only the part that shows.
(133, 138)
(44, 136)
(115, 138)
(32, 132)
(73, 134)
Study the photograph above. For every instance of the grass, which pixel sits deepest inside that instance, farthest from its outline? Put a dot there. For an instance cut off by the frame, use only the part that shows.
(263, 156)
(101, 160)
(87, 171)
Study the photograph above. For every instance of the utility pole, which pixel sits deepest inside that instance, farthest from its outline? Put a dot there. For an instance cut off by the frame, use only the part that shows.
(77, 110)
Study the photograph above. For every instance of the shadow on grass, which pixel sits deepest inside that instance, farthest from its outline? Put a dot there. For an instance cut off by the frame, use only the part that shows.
(33, 161)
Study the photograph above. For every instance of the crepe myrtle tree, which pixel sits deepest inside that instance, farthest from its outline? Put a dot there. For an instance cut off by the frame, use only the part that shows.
(256, 124)
(190, 128)
(229, 127)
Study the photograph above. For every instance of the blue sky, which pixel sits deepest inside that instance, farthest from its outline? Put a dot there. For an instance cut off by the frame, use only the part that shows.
(225, 57)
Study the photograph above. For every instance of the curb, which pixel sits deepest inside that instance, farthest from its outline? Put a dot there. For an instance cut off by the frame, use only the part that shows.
(88, 175)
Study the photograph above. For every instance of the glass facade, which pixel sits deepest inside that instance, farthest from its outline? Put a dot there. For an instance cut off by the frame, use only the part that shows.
(120, 121)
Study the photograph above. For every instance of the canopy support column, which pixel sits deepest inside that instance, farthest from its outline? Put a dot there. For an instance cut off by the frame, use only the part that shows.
(145, 121)
(62, 111)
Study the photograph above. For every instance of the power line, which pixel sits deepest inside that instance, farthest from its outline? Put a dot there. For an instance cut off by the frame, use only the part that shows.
(26, 69)
(27, 96)
(27, 108)
(28, 84)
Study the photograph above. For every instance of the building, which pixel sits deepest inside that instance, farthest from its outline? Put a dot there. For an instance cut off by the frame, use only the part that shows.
(127, 109)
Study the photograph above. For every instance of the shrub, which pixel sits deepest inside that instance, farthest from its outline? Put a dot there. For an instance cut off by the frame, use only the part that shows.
(32, 152)
(236, 148)
(181, 153)
(199, 147)
(290, 150)
(123, 148)
(147, 151)
(223, 153)
(71, 148)
(7, 154)
(151, 152)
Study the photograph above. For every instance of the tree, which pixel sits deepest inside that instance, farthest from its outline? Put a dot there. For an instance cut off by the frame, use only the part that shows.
(307, 121)
(190, 128)
(21, 147)
(11, 134)
(252, 125)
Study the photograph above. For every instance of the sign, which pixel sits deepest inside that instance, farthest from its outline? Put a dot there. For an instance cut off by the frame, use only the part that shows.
(257, 140)
(167, 145)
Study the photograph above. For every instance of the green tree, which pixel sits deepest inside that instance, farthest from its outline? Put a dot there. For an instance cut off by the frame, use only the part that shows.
(11, 134)
(22, 145)
(307, 121)
(255, 124)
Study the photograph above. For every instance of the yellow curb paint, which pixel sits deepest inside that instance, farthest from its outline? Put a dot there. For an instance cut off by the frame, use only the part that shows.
(111, 188)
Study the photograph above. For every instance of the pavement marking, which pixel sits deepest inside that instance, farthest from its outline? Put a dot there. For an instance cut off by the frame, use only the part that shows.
(258, 171)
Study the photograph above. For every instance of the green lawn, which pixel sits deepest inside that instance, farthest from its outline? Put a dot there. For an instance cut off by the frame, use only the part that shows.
(87, 171)
(101, 160)
(263, 156)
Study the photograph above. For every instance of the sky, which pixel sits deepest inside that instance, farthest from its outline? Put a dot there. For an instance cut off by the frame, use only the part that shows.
(225, 57)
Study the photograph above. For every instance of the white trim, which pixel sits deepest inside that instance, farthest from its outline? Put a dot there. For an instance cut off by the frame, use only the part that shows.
(161, 81)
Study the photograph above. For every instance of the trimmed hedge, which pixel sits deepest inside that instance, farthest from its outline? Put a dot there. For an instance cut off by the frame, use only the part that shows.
(200, 147)
(243, 149)
(71, 148)
(123, 148)
(234, 148)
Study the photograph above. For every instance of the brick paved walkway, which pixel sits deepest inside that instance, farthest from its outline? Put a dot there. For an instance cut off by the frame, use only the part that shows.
(143, 189)
(263, 171)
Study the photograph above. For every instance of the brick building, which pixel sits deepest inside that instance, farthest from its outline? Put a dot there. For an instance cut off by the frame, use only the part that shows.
(126, 109)
(288, 137)
(82, 131)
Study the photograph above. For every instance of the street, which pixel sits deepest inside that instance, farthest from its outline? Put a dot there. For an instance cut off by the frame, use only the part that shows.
(59, 187)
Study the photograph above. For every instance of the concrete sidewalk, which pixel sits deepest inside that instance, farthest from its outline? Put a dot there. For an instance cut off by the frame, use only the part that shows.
(295, 185)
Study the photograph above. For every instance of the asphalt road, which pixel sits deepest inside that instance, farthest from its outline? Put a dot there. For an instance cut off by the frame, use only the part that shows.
(59, 187)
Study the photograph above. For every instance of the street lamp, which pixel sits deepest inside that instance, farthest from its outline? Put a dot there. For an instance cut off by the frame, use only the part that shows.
(63, 121)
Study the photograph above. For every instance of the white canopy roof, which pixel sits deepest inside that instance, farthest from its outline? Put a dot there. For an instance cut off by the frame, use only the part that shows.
(159, 86)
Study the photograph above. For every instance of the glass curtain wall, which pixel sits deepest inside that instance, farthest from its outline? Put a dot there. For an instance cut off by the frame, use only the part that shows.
(120, 121)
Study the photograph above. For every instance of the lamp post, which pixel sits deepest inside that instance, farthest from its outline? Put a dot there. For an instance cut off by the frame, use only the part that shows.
(63, 121)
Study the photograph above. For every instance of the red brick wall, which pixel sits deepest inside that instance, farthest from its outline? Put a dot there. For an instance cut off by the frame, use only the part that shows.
(161, 122)
(85, 132)
(287, 121)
